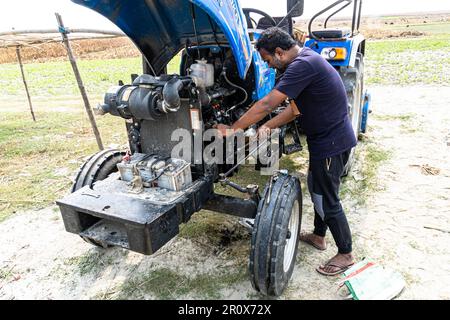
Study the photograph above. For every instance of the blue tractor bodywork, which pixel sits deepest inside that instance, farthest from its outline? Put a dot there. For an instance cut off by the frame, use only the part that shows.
(264, 77)
(351, 44)
(365, 112)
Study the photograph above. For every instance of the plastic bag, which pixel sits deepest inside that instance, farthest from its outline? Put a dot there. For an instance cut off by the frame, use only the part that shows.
(367, 280)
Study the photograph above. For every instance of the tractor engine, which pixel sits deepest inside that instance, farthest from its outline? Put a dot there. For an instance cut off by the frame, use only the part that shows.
(207, 92)
(205, 84)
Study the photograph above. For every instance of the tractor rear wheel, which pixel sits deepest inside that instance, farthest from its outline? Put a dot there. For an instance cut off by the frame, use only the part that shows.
(353, 79)
(275, 235)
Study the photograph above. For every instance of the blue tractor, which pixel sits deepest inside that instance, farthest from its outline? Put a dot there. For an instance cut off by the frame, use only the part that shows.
(137, 198)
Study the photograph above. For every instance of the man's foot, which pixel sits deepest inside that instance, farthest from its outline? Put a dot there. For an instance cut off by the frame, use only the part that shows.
(336, 265)
(314, 240)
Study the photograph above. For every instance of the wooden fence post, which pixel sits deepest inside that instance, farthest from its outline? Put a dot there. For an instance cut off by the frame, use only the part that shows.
(87, 106)
(19, 58)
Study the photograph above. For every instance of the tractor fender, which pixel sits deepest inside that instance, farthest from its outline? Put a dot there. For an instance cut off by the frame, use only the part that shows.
(358, 45)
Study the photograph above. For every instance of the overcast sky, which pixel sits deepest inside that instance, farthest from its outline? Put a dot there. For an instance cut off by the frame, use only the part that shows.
(39, 14)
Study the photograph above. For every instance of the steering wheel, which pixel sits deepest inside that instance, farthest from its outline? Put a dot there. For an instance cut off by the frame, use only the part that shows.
(251, 22)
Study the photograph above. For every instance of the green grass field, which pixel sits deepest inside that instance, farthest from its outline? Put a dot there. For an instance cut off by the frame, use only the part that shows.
(56, 78)
(424, 60)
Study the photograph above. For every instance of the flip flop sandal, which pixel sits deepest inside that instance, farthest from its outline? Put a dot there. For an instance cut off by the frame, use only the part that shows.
(309, 241)
(340, 269)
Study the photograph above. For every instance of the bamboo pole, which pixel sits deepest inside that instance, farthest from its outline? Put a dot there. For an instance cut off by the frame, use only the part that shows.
(73, 62)
(105, 32)
(19, 58)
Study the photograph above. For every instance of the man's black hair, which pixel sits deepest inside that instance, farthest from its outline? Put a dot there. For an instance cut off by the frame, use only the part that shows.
(273, 38)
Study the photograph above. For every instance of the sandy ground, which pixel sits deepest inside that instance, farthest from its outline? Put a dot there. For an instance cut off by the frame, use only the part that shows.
(404, 225)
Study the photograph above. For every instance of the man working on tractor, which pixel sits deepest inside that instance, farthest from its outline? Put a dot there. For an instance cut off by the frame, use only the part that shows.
(318, 90)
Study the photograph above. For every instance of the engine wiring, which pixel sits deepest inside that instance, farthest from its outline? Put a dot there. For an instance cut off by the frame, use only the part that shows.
(224, 74)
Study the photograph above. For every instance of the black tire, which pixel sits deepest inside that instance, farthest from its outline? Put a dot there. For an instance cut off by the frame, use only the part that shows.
(273, 247)
(99, 166)
(353, 79)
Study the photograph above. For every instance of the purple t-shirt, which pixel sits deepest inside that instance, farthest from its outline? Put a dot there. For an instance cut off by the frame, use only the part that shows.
(320, 95)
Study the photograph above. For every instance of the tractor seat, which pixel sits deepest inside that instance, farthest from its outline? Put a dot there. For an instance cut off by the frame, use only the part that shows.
(264, 23)
(331, 34)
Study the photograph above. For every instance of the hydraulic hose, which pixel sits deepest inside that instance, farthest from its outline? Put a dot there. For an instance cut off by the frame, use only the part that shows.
(224, 74)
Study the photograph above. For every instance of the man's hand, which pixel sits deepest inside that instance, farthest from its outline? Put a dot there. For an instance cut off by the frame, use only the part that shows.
(288, 115)
(223, 129)
(260, 109)
(264, 131)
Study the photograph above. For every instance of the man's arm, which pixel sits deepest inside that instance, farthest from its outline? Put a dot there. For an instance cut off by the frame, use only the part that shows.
(288, 114)
(260, 109)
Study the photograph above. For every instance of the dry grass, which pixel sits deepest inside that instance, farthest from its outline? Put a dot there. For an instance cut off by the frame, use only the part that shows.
(390, 26)
(384, 34)
(87, 49)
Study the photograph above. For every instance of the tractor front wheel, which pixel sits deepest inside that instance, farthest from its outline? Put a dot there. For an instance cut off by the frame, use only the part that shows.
(275, 235)
(98, 167)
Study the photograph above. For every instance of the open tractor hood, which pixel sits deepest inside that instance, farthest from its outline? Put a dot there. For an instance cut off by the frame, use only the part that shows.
(161, 28)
